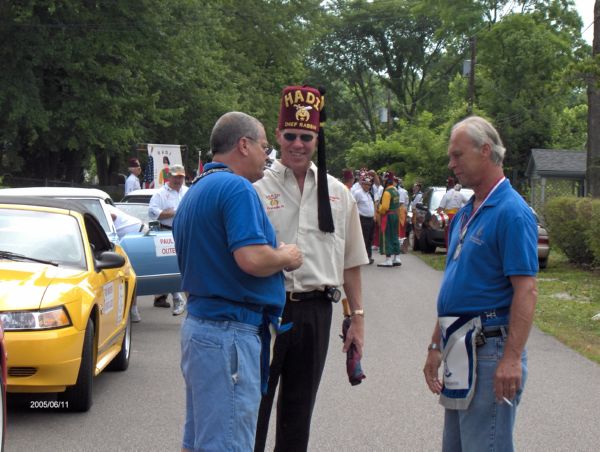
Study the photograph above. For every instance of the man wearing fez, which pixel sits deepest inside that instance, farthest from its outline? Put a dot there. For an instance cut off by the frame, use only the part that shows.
(132, 182)
(317, 213)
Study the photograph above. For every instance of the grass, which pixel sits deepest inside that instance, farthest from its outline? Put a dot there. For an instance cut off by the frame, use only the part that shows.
(568, 298)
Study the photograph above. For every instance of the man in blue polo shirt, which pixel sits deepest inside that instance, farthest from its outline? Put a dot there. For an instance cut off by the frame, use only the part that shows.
(487, 298)
(231, 267)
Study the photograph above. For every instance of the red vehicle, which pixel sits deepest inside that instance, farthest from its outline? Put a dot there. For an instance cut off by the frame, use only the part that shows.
(2, 388)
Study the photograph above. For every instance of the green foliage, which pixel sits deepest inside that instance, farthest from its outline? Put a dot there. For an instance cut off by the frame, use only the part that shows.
(570, 225)
(416, 152)
(520, 85)
(589, 211)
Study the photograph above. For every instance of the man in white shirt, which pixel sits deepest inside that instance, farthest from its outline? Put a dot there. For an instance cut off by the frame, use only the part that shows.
(132, 182)
(366, 210)
(163, 206)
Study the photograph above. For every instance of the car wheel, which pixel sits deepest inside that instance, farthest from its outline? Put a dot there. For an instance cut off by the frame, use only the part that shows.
(79, 396)
(424, 244)
(121, 361)
(543, 263)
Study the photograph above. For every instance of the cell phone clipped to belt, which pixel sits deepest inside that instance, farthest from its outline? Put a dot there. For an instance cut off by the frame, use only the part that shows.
(480, 339)
(333, 294)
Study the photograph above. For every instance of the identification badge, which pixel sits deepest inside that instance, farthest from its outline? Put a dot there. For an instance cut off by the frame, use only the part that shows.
(458, 250)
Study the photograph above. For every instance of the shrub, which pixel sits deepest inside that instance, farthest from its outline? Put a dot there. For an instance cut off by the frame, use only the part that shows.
(593, 233)
(570, 226)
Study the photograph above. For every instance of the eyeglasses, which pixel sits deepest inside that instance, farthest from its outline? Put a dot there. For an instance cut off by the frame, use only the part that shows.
(306, 137)
(266, 147)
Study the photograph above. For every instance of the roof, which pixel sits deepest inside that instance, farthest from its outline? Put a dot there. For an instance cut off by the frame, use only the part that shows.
(56, 192)
(557, 163)
(46, 202)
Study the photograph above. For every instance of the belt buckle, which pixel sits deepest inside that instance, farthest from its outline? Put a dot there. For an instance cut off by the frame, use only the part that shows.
(490, 314)
(292, 297)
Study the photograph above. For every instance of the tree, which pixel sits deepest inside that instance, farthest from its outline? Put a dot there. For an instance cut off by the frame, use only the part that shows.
(593, 144)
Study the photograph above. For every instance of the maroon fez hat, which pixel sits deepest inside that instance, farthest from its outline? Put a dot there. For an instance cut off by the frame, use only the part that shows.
(302, 108)
(134, 163)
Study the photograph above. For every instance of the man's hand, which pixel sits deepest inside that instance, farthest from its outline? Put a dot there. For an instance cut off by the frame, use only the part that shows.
(507, 379)
(292, 255)
(432, 365)
(355, 334)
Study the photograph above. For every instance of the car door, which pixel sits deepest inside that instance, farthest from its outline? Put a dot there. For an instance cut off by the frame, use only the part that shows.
(109, 288)
(153, 257)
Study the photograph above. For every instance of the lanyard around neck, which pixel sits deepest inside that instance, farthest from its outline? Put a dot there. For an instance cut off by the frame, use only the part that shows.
(465, 226)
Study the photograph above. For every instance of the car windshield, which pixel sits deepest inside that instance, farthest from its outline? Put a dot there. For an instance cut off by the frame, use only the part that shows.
(138, 210)
(43, 236)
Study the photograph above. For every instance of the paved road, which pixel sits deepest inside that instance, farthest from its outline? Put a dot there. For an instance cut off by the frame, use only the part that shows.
(142, 408)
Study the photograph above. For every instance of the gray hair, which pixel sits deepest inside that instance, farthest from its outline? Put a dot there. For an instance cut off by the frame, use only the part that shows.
(483, 132)
(229, 128)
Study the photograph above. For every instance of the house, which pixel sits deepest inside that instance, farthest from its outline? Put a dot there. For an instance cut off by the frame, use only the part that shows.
(555, 172)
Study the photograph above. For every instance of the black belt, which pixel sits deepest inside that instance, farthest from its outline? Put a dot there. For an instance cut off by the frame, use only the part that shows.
(164, 226)
(305, 296)
(496, 332)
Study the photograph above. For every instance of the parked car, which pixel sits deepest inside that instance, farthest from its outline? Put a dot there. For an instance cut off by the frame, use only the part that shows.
(65, 295)
(135, 209)
(140, 196)
(429, 226)
(152, 253)
(543, 245)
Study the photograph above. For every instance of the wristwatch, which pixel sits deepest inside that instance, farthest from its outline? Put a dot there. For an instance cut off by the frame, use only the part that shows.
(433, 346)
(358, 312)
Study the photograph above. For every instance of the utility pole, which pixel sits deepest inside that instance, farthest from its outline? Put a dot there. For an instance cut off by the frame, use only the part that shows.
(471, 76)
(593, 141)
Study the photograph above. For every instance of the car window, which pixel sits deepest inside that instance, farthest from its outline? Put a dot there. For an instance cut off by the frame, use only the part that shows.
(94, 205)
(42, 235)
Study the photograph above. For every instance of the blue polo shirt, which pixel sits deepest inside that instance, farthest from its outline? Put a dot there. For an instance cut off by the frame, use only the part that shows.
(218, 215)
(501, 241)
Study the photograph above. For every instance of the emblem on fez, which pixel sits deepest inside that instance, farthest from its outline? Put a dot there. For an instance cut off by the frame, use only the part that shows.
(302, 113)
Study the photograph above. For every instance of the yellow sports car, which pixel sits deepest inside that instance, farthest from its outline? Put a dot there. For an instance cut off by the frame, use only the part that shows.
(65, 295)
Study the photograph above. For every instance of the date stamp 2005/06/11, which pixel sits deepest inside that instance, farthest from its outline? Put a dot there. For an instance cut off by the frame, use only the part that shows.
(33, 404)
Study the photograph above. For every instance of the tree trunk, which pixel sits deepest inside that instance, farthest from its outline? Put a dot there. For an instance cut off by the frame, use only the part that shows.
(593, 142)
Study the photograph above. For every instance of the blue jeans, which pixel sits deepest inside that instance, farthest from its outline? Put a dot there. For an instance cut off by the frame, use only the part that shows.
(220, 362)
(487, 425)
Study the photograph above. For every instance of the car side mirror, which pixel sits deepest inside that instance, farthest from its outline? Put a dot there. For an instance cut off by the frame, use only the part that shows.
(108, 259)
(154, 225)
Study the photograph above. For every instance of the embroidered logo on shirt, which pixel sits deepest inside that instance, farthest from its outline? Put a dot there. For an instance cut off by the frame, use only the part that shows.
(273, 202)
(476, 238)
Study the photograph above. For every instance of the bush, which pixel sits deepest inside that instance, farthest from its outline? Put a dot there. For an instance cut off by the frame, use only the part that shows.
(570, 224)
(593, 233)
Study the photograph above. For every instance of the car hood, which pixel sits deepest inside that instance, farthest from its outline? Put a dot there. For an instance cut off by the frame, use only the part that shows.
(25, 286)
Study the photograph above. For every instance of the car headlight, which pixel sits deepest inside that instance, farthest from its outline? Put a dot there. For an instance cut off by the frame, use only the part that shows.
(35, 320)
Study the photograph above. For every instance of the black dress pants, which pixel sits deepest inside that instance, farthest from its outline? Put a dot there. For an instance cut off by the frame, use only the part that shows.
(367, 224)
(297, 365)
